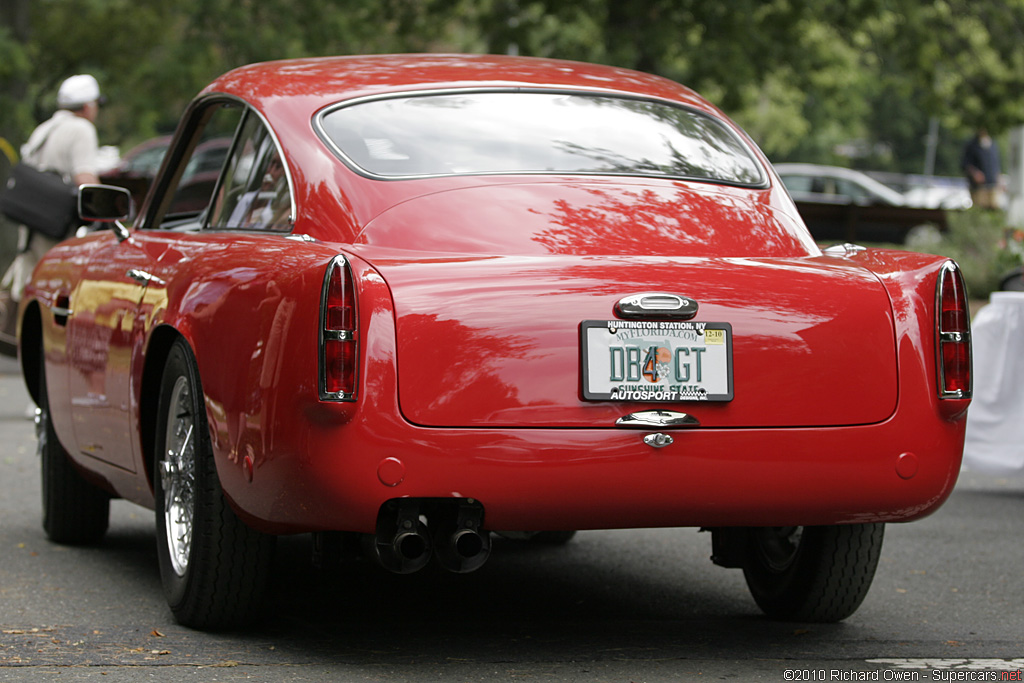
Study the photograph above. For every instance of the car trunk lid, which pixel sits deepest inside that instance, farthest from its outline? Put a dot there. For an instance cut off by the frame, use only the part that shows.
(496, 341)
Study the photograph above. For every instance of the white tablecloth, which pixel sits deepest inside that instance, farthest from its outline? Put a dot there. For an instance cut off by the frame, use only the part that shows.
(995, 421)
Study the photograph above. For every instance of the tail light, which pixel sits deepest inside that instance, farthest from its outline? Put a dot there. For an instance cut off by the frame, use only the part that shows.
(339, 344)
(953, 334)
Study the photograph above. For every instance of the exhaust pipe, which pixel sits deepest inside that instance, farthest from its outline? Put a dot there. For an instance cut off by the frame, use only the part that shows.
(460, 545)
(402, 544)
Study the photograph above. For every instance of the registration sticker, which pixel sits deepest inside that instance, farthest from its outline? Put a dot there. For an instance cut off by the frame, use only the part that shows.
(656, 361)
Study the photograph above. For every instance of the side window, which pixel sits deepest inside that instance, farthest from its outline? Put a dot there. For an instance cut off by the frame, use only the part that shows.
(852, 190)
(196, 163)
(255, 194)
(798, 183)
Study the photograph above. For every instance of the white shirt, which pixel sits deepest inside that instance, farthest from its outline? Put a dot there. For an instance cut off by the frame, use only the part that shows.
(71, 145)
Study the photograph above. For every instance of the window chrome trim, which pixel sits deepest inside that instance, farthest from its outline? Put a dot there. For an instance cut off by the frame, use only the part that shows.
(740, 138)
(188, 123)
(292, 212)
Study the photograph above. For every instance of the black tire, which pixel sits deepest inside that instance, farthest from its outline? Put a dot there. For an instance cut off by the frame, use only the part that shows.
(813, 574)
(75, 512)
(213, 567)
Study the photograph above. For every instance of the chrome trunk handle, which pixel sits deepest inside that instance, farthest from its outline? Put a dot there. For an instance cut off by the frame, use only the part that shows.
(657, 419)
(656, 305)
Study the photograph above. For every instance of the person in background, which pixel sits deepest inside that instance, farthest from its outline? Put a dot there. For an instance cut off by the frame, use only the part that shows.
(66, 144)
(980, 163)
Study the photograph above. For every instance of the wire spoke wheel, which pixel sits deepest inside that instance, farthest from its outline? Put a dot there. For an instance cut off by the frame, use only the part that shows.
(214, 568)
(177, 476)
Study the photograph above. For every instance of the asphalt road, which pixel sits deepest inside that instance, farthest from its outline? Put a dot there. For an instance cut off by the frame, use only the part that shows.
(623, 606)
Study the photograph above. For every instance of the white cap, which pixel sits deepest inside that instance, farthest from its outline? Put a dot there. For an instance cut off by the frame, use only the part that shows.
(78, 90)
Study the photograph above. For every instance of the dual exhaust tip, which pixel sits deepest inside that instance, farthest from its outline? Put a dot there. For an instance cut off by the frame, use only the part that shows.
(411, 532)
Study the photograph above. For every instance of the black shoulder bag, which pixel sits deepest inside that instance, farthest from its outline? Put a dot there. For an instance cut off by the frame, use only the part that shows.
(40, 200)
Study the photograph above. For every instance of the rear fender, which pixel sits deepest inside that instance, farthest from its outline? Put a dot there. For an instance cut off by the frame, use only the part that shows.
(158, 348)
(911, 280)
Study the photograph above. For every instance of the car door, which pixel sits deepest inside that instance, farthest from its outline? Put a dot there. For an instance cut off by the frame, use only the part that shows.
(101, 331)
(121, 294)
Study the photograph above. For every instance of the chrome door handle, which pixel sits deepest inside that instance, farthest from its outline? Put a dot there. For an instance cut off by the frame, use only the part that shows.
(61, 309)
(143, 278)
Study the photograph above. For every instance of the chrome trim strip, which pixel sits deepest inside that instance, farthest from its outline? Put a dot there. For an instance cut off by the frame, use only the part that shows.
(339, 335)
(844, 250)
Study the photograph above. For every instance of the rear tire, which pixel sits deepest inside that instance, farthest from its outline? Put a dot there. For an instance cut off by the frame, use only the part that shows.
(75, 512)
(814, 574)
(214, 568)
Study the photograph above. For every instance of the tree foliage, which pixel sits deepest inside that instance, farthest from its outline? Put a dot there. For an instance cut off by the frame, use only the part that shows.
(854, 81)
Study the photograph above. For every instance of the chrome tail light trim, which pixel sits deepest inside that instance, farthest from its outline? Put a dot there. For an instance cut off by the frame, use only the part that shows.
(953, 359)
(338, 336)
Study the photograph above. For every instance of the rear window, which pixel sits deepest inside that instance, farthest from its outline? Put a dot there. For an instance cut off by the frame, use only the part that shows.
(536, 132)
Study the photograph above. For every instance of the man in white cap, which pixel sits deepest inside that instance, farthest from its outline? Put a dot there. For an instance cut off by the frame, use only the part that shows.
(66, 144)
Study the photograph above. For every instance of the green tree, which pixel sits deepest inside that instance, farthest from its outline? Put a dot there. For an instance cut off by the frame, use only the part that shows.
(805, 77)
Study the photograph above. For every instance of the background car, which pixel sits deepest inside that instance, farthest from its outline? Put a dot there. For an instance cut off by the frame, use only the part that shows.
(432, 298)
(141, 161)
(934, 192)
(842, 204)
(139, 166)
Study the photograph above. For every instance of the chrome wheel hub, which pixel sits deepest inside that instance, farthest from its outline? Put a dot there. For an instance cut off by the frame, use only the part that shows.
(177, 476)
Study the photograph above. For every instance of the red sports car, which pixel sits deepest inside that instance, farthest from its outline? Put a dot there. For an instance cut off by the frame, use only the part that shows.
(435, 298)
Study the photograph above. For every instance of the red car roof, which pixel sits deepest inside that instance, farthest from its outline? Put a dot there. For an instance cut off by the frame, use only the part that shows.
(330, 79)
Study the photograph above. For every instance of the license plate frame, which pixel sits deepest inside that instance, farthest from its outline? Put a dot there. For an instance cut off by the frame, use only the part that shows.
(650, 357)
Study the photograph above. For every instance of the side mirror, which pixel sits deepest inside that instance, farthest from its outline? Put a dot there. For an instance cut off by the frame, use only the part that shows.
(106, 204)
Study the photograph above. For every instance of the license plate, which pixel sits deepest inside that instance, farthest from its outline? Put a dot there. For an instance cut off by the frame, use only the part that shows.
(656, 361)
